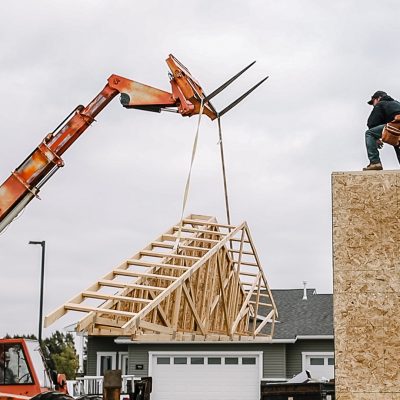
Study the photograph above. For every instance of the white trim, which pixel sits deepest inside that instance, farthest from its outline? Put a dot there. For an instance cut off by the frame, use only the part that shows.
(121, 354)
(100, 354)
(314, 337)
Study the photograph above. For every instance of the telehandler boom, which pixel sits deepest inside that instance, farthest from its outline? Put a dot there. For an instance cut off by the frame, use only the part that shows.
(186, 97)
(26, 181)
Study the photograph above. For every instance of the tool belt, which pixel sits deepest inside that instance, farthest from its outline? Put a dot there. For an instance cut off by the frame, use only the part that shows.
(391, 132)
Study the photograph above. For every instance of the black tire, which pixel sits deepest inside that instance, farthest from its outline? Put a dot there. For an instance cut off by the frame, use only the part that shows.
(52, 396)
(90, 397)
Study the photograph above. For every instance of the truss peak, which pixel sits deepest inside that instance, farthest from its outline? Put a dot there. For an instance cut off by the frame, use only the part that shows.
(200, 280)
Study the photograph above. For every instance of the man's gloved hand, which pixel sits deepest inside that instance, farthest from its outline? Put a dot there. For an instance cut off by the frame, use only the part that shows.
(379, 143)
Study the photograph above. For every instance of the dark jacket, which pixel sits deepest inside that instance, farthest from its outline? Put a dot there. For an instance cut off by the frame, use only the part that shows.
(383, 112)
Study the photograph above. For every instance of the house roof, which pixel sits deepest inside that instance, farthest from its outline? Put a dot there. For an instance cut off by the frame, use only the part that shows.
(298, 317)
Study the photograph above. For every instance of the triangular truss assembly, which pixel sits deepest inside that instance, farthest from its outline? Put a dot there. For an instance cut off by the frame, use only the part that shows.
(209, 286)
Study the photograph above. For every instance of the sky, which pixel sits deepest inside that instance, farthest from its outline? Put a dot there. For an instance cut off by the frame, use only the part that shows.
(123, 180)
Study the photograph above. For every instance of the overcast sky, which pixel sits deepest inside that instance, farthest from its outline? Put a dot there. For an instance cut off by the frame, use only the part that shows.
(123, 181)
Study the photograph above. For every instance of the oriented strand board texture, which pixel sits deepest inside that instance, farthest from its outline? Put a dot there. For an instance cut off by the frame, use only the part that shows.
(366, 240)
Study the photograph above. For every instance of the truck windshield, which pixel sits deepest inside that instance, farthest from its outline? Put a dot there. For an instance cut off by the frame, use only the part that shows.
(38, 363)
(13, 366)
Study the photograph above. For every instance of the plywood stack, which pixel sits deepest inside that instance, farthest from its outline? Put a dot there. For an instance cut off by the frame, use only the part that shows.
(366, 237)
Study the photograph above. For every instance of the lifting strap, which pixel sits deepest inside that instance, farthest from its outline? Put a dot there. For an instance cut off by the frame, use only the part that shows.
(186, 193)
(221, 146)
(187, 186)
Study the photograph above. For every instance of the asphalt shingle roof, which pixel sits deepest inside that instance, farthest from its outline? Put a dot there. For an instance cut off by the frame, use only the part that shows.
(298, 317)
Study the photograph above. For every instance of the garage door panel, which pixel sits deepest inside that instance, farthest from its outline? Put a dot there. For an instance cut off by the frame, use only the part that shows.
(206, 381)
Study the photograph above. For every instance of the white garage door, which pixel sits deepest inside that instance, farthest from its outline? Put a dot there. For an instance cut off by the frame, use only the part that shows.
(206, 376)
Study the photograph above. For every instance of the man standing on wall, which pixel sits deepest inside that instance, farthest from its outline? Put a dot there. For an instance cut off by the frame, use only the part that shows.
(384, 111)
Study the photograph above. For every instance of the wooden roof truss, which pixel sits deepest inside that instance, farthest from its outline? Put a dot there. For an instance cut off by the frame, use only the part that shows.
(210, 287)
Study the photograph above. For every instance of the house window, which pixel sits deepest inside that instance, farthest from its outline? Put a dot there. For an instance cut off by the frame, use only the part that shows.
(163, 360)
(214, 360)
(197, 360)
(180, 360)
(105, 361)
(123, 362)
(231, 360)
(248, 360)
(317, 361)
(331, 361)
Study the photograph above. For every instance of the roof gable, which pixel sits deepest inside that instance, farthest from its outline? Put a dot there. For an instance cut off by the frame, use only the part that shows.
(200, 280)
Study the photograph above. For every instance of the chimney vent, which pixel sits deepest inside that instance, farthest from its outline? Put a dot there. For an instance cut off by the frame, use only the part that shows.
(305, 290)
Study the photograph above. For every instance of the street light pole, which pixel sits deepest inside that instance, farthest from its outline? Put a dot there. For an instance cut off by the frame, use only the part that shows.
(43, 244)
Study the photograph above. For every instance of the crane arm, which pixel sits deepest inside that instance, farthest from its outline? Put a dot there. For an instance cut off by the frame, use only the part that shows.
(25, 182)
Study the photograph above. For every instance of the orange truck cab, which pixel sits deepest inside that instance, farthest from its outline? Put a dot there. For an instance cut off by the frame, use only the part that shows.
(23, 373)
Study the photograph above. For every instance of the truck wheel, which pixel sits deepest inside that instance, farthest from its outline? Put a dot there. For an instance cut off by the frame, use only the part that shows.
(51, 396)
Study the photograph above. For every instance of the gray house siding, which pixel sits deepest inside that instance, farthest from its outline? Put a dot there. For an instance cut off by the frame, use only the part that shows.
(100, 343)
(274, 361)
(294, 356)
(274, 355)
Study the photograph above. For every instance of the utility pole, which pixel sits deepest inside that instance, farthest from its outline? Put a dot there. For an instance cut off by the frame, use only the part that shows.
(43, 244)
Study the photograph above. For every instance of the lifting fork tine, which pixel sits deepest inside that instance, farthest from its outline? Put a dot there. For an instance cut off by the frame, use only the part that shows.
(239, 99)
(227, 83)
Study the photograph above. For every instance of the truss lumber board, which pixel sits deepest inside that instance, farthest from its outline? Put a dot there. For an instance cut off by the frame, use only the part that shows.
(188, 337)
(224, 300)
(238, 240)
(105, 330)
(193, 309)
(140, 263)
(103, 296)
(101, 321)
(245, 305)
(78, 307)
(190, 239)
(202, 231)
(257, 303)
(168, 255)
(204, 223)
(258, 262)
(213, 282)
(160, 310)
(247, 273)
(205, 294)
(261, 304)
(266, 320)
(216, 300)
(247, 253)
(143, 275)
(237, 276)
(247, 263)
(181, 246)
(177, 306)
(155, 327)
(183, 277)
(110, 283)
(60, 311)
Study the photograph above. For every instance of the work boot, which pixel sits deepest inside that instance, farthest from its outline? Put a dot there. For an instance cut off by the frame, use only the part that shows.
(373, 167)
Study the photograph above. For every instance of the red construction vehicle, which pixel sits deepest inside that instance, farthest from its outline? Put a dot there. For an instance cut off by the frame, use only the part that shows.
(186, 97)
(23, 372)
(26, 181)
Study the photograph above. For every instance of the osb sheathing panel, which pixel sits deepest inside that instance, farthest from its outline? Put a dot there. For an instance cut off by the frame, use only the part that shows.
(366, 238)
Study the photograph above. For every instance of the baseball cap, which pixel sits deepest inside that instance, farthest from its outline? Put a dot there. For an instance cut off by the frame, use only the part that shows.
(376, 95)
